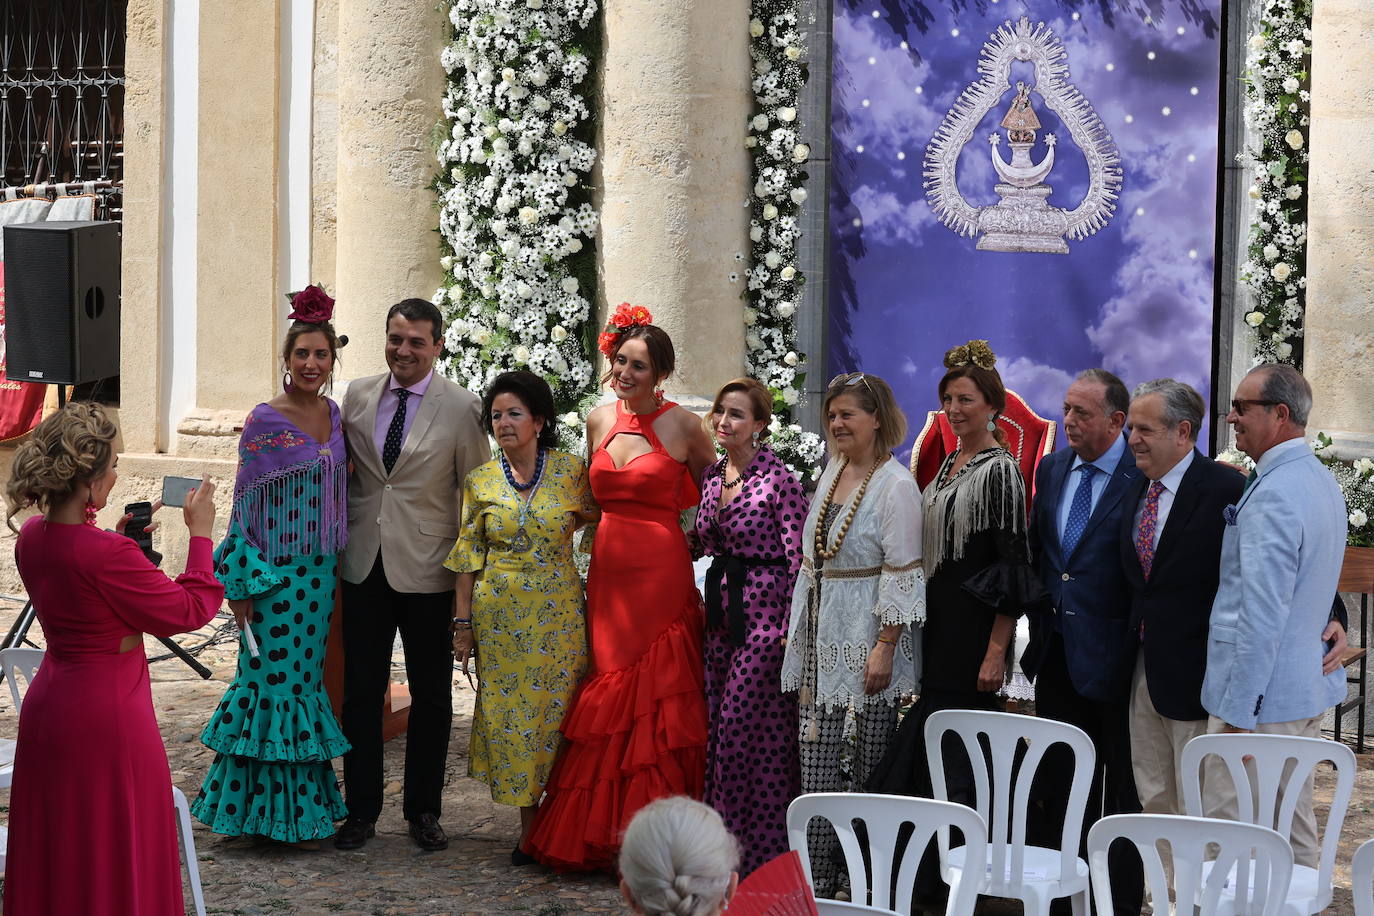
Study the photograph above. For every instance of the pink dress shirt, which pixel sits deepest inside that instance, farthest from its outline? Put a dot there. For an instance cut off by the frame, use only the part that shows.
(386, 408)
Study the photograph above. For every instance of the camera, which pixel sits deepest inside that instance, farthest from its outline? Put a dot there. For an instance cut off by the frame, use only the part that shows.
(142, 513)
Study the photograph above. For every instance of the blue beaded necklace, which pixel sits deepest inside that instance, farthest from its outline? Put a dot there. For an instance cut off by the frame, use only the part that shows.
(521, 542)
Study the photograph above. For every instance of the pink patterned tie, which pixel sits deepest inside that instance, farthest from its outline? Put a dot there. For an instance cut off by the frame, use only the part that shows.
(1145, 532)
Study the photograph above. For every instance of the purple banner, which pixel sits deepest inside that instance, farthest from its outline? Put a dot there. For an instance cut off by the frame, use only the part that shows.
(1040, 174)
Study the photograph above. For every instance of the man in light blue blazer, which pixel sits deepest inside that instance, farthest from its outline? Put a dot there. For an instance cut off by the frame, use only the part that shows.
(1281, 556)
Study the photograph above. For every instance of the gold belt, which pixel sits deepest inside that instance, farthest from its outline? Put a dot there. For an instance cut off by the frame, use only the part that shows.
(831, 572)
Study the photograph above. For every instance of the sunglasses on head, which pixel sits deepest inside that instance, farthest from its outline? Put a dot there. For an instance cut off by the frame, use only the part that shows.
(851, 378)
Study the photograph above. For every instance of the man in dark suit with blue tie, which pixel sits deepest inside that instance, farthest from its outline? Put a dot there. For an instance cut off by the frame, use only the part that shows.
(1079, 652)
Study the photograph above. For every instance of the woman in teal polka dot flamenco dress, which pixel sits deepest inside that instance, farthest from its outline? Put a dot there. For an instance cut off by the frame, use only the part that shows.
(274, 732)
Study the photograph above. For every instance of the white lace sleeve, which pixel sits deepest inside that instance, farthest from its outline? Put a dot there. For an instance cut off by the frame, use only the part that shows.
(902, 583)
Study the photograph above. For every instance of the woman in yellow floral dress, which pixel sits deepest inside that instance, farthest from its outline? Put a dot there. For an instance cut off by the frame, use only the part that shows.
(519, 604)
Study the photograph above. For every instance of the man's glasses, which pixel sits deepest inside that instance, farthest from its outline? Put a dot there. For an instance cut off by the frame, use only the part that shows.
(1240, 405)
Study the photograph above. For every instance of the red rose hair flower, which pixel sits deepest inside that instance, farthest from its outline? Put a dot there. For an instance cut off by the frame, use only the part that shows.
(311, 305)
(624, 317)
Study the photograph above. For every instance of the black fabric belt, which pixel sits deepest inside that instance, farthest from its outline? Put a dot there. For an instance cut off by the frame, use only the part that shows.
(718, 613)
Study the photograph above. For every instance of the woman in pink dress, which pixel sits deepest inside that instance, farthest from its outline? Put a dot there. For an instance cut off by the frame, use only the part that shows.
(91, 825)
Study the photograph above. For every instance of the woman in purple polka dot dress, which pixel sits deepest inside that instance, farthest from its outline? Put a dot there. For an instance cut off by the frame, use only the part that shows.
(750, 521)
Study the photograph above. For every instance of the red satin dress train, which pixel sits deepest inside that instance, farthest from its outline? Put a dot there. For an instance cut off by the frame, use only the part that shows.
(636, 729)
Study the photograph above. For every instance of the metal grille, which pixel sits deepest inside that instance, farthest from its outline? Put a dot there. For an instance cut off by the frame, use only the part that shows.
(62, 95)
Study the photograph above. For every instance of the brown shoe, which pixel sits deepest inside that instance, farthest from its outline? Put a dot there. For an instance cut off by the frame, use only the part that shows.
(354, 833)
(427, 833)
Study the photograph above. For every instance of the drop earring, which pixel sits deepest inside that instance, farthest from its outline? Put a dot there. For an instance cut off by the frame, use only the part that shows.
(90, 508)
(992, 424)
(286, 381)
(754, 438)
(658, 396)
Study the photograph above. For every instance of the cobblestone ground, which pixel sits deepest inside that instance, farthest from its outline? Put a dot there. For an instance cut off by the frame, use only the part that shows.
(390, 875)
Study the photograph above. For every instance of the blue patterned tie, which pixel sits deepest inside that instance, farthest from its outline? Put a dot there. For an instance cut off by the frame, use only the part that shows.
(1080, 510)
(391, 446)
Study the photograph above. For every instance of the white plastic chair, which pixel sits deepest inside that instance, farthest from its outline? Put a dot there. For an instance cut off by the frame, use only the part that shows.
(883, 817)
(1034, 875)
(841, 908)
(188, 848)
(1269, 798)
(1362, 879)
(1262, 858)
(15, 662)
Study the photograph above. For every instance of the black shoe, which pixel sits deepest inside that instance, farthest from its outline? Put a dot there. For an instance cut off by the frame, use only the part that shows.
(427, 833)
(519, 858)
(354, 833)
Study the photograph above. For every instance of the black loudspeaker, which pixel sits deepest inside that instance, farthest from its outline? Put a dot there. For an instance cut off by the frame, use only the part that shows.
(62, 302)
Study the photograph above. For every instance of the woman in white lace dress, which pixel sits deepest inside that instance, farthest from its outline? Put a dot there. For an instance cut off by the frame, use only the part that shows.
(853, 646)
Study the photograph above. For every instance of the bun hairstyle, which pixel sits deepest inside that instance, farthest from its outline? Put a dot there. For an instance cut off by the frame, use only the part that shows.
(677, 858)
(68, 449)
(662, 358)
(336, 341)
(975, 361)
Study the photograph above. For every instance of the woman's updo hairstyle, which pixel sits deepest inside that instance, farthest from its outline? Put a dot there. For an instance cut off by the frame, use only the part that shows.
(677, 858)
(662, 357)
(760, 401)
(976, 362)
(312, 309)
(70, 448)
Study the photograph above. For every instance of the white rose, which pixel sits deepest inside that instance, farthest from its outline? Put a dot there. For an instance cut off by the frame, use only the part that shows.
(789, 396)
(760, 122)
(529, 215)
(770, 211)
(798, 195)
(751, 141)
(440, 295)
(1257, 43)
(508, 75)
(1294, 138)
(502, 320)
(446, 262)
(569, 285)
(523, 290)
(787, 114)
(540, 104)
(752, 341)
(750, 316)
(500, 226)
(790, 359)
(484, 260)
(570, 418)
(570, 179)
(539, 77)
(1358, 519)
(788, 272)
(464, 114)
(1280, 271)
(793, 52)
(525, 147)
(1290, 85)
(1271, 252)
(755, 28)
(1293, 192)
(1295, 48)
(772, 259)
(800, 152)
(558, 334)
(521, 354)
(786, 310)
(1283, 350)
(763, 67)
(479, 156)
(1364, 467)
(559, 128)
(574, 245)
(535, 4)
(482, 337)
(1254, 319)
(1254, 192)
(755, 233)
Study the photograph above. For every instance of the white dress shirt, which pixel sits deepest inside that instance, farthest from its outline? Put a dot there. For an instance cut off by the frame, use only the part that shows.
(1171, 481)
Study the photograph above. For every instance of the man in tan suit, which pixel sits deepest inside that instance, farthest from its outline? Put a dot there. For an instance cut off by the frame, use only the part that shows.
(412, 438)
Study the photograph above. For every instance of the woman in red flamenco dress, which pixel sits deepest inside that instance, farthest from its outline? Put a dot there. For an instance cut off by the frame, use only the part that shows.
(636, 729)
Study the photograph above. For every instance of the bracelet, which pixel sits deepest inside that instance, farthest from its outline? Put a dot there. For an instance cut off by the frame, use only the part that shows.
(887, 642)
(462, 623)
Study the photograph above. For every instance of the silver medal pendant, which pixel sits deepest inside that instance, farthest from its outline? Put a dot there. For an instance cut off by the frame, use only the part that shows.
(521, 542)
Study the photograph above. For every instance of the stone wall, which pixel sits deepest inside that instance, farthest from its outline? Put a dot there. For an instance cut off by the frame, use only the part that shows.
(1339, 352)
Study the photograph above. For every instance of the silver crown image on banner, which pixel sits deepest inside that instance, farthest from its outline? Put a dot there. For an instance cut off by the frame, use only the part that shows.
(1022, 220)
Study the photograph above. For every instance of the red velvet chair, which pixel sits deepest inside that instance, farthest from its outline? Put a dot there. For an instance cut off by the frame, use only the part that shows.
(1029, 436)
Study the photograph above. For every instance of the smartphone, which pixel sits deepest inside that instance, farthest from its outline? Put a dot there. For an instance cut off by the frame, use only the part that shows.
(142, 513)
(176, 489)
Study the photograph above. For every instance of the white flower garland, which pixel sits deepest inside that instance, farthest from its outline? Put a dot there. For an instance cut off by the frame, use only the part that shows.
(513, 208)
(1277, 94)
(774, 284)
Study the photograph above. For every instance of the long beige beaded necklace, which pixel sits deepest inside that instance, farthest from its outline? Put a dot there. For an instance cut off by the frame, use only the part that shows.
(822, 552)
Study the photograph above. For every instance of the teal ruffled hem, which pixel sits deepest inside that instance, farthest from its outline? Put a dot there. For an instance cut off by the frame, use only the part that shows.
(243, 570)
(275, 728)
(290, 803)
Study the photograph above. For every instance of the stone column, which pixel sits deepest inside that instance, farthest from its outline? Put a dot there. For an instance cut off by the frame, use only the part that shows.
(389, 86)
(675, 95)
(239, 304)
(1339, 350)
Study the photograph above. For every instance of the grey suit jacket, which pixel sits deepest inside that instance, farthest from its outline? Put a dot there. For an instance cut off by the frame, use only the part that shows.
(1281, 556)
(410, 515)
